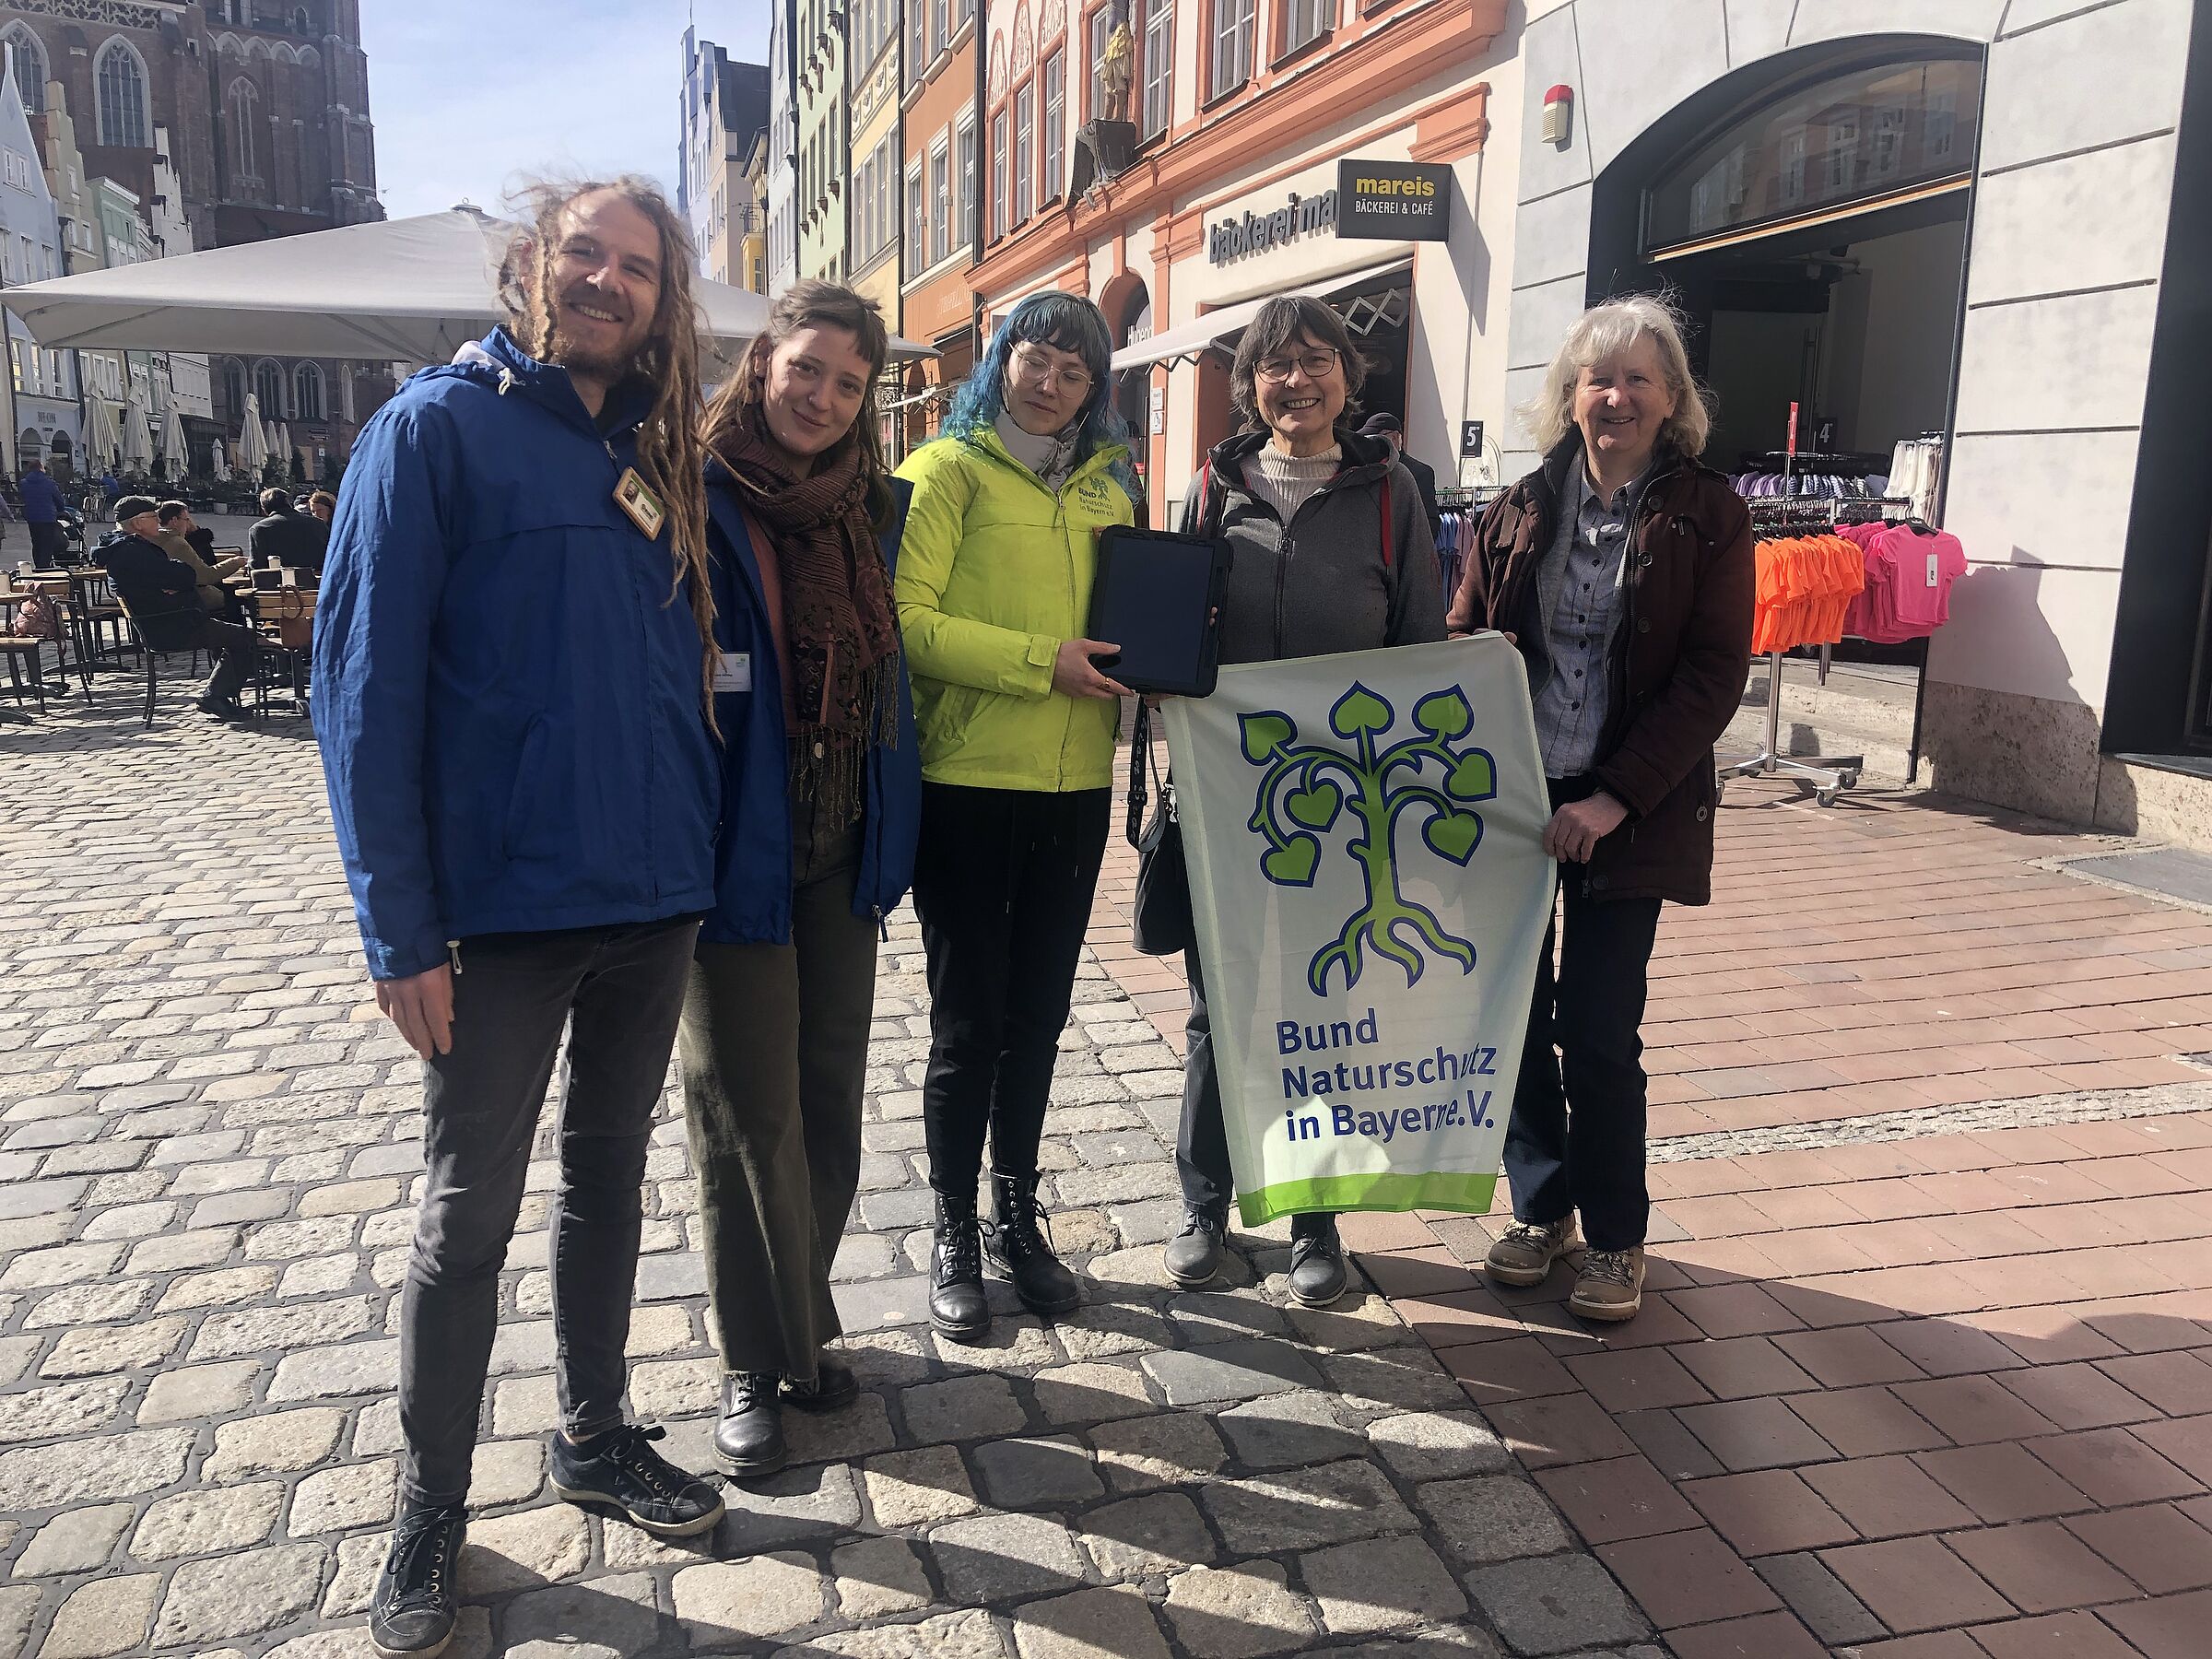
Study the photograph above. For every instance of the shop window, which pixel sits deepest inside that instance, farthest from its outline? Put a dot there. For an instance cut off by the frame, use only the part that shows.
(964, 182)
(121, 78)
(1056, 125)
(1839, 144)
(1233, 24)
(1305, 22)
(940, 203)
(1025, 151)
(30, 66)
(1158, 58)
(999, 224)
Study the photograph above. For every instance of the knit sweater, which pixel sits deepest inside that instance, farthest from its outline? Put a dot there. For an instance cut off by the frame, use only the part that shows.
(1283, 481)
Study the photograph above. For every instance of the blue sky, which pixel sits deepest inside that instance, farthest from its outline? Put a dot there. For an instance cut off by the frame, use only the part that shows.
(468, 96)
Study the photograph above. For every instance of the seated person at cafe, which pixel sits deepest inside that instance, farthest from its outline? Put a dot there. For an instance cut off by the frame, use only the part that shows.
(175, 538)
(162, 596)
(287, 536)
(323, 506)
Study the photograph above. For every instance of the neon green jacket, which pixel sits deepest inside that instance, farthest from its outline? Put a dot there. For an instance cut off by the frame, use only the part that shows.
(994, 573)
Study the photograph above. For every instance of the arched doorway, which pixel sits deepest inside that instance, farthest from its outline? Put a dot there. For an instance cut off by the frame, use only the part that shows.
(61, 460)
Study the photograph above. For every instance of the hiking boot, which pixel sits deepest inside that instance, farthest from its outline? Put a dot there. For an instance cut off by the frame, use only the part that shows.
(1194, 1256)
(1610, 1286)
(957, 1304)
(1317, 1261)
(1524, 1256)
(832, 1386)
(1017, 1248)
(621, 1468)
(416, 1597)
(749, 1440)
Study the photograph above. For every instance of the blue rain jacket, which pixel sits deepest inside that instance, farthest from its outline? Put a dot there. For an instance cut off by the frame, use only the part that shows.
(507, 698)
(752, 853)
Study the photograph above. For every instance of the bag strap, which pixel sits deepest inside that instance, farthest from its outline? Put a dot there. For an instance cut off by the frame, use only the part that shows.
(1140, 759)
(1386, 519)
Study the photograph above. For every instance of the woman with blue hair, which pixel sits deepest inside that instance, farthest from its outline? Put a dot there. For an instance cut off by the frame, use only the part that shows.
(1017, 729)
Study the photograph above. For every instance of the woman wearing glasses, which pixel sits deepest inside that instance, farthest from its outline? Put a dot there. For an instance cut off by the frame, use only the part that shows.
(1016, 733)
(1331, 553)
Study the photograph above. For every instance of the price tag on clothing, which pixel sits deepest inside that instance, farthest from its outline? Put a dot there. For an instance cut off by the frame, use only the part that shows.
(1932, 566)
(733, 671)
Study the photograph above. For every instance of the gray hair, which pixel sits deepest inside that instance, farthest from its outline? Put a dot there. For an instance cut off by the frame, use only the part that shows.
(1602, 332)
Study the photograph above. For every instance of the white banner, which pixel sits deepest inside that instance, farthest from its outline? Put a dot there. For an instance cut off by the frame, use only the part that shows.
(1365, 841)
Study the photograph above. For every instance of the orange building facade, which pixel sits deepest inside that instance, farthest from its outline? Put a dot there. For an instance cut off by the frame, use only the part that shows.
(938, 207)
(1281, 145)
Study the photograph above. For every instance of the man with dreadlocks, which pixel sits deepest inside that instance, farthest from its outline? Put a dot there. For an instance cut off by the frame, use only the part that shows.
(513, 678)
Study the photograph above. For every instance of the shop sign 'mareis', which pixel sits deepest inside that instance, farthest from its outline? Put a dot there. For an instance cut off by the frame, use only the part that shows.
(1373, 200)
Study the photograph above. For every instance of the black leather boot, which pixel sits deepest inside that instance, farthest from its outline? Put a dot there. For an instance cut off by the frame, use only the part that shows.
(957, 1304)
(748, 1438)
(1016, 1248)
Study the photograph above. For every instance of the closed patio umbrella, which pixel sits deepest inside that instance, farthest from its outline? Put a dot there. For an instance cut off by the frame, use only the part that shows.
(138, 434)
(175, 453)
(103, 439)
(253, 438)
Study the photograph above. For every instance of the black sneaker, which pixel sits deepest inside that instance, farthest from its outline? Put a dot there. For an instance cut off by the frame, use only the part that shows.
(832, 1387)
(417, 1593)
(621, 1468)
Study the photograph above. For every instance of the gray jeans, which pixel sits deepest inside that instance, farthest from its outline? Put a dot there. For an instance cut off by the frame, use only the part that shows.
(618, 992)
(775, 1056)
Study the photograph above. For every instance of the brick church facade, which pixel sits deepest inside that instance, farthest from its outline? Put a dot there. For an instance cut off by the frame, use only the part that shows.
(266, 106)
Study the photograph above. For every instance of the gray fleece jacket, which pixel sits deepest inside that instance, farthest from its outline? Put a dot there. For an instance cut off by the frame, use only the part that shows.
(1321, 583)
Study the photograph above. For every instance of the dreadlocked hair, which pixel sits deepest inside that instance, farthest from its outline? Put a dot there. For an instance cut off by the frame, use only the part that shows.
(671, 457)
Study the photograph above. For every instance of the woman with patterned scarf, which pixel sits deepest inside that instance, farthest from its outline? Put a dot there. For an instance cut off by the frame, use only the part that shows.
(821, 796)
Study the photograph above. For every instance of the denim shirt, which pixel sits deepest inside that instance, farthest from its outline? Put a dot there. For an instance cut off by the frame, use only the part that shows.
(1581, 585)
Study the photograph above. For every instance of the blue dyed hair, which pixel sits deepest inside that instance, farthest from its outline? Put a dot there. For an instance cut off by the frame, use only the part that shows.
(1069, 323)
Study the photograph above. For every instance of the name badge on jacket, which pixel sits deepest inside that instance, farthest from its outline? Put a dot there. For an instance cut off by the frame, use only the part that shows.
(733, 671)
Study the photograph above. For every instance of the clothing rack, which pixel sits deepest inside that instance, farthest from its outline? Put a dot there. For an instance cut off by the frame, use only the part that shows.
(1830, 775)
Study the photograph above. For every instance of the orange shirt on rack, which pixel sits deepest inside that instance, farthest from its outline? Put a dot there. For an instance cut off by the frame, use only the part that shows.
(1805, 585)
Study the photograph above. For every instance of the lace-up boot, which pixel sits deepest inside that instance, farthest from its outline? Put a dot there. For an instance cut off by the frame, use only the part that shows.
(1016, 1246)
(1524, 1256)
(749, 1440)
(1194, 1256)
(957, 1304)
(416, 1597)
(1610, 1286)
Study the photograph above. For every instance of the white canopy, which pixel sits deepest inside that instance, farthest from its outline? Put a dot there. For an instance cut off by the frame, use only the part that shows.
(411, 289)
(1191, 339)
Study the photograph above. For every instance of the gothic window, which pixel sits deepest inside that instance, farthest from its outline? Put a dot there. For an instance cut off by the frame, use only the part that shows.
(234, 384)
(268, 385)
(121, 78)
(307, 391)
(243, 106)
(30, 65)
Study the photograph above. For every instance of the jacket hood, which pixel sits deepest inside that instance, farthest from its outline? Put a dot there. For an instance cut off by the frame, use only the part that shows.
(1362, 455)
(499, 363)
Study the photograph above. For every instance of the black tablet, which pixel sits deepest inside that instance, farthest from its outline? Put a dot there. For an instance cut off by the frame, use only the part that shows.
(1155, 597)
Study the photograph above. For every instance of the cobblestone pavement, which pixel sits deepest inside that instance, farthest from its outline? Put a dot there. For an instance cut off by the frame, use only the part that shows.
(206, 1168)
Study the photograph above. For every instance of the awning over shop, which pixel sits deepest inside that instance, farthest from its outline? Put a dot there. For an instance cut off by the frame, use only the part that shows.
(1190, 340)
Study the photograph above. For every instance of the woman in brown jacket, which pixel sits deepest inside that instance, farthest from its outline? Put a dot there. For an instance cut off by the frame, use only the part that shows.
(1623, 569)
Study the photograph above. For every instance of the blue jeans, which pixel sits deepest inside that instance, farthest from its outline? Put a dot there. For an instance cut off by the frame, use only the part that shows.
(618, 992)
(1575, 1142)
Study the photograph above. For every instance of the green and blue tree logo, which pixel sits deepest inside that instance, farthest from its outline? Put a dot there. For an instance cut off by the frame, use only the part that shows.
(1432, 773)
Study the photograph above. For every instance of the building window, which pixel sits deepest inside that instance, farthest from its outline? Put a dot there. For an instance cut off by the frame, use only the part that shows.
(1159, 67)
(962, 10)
(964, 183)
(917, 42)
(30, 66)
(916, 219)
(234, 384)
(999, 226)
(1056, 125)
(1307, 21)
(243, 101)
(268, 385)
(940, 203)
(1232, 46)
(307, 391)
(1024, 150)
(122, 82)
(941, 13)
(1102, 31)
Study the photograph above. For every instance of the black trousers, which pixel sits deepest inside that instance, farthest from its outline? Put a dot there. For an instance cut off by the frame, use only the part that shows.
(1575, 1141)
(617, 992)
(1003, 883)
(236, 649)
(1202, 1138)
(49, 542)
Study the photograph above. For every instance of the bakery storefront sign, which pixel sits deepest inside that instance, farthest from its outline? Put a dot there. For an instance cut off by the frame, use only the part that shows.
(1257, 232)
(1393, 201)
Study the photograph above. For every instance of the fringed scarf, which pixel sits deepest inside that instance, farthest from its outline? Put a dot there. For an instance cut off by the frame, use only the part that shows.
(837, 610)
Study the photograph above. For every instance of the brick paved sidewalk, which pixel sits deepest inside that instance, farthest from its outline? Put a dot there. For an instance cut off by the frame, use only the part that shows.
(1927, 1367)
